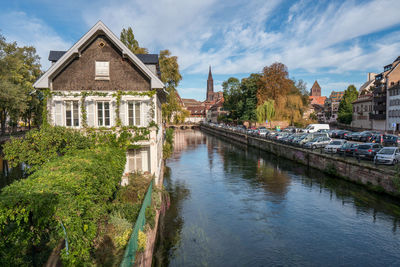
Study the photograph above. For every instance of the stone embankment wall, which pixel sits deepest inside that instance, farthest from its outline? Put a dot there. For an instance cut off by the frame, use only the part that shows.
(372, 177)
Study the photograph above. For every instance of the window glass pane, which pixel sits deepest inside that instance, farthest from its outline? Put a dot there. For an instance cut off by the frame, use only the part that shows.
(68, 113)
(138, 160)
(106, 113)
(100, 113)
(137, 114)
(130, 113)
(76, 113)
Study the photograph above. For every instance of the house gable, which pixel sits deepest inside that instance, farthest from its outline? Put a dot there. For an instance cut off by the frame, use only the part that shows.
(76, 51)
(79, 74)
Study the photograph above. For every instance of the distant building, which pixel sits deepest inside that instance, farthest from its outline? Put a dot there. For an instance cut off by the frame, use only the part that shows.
(331, 106)
(199, 111)
(362, 107)
(386, 112)
(315, 89)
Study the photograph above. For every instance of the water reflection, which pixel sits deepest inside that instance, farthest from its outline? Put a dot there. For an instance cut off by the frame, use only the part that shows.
(234, 206)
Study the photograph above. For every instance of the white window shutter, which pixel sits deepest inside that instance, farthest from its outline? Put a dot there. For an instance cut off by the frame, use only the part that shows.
(58, 113)
(113, 113)
(122, 113)
(90, 113)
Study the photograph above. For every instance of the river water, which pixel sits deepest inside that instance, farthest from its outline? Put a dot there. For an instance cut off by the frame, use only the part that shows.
(236, 206)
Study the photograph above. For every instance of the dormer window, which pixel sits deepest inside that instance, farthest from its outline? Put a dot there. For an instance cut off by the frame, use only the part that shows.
(387, 67)
(102, 70)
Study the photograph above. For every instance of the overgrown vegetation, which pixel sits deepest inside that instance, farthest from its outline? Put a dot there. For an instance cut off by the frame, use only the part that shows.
(74, 191)
(74, 183)
(168, 146)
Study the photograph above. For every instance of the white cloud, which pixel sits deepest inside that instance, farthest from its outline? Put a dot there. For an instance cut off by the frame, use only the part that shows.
(30, 31)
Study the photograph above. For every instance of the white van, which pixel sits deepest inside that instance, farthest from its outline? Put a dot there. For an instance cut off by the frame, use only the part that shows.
(312, 128)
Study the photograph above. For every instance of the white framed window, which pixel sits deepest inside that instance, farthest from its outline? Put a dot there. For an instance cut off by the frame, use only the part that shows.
(134, 113)
(103, 113)
(138, 160)
(102, 70)
(72, 113)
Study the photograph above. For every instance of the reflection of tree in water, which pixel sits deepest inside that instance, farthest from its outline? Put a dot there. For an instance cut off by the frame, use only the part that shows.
(170, 227)
(249, 165)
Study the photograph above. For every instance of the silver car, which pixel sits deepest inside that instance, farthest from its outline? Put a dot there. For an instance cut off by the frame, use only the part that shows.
(333, 146)
(318, 142)
(387, 155)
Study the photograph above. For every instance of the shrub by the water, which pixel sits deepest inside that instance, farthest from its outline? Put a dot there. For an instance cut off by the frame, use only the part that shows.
(74, 191)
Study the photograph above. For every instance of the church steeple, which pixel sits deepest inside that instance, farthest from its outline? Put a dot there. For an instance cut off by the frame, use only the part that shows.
(210, 86)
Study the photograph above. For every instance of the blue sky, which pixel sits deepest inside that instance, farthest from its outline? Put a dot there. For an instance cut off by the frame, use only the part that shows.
(334, 42)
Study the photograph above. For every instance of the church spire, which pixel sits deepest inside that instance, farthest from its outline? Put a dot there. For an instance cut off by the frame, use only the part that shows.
(210, 86)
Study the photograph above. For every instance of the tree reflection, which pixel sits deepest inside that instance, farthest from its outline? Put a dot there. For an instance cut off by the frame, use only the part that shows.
(170, 226)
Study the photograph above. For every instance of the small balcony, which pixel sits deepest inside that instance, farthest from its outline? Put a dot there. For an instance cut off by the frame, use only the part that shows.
(377, 116)
(380, 107)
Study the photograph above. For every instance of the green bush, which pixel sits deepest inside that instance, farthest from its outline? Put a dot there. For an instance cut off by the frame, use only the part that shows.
(44, 145)
(73, 190)
(150, 214)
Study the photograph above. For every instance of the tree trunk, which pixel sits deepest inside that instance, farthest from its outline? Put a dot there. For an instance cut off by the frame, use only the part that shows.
(3, 117)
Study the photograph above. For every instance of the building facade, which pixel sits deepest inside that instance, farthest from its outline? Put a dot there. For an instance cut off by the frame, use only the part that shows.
(362, 109)
(84, 82)
(384, 115)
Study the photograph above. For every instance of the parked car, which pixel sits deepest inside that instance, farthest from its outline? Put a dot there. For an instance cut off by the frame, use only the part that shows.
(367, 150)
(334, 133)
(262, 132)
(318, 142)
(390, 140)
(333, 146)
(365, 136)
(350, 149)
(349, 136)
(308, 137)
(340, 134)
(355, 136)
(387, 155)
(312, 128)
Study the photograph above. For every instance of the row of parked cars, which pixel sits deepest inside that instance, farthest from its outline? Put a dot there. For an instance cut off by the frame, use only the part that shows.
(366, 136)
(381, 148)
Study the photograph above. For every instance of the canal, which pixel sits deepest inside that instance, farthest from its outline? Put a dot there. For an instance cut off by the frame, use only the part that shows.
(236, 206)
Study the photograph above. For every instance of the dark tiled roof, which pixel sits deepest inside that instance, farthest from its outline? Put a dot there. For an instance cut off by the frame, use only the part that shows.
(56, 55)
(145, 58)
(148, 58)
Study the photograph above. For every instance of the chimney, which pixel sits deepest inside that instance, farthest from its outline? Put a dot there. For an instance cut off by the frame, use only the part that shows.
(371, 76)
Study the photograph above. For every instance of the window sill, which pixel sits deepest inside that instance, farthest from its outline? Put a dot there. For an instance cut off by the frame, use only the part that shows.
(102, 78)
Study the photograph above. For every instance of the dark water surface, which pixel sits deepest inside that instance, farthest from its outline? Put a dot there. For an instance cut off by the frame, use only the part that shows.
(238, 206)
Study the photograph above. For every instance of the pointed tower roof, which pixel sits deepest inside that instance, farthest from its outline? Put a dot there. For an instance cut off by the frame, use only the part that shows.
(209, 73)
(315, 89)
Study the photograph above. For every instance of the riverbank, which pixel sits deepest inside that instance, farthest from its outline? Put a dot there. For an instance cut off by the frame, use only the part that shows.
(372, 177)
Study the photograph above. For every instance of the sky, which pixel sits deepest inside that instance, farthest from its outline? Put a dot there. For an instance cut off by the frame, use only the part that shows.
(334, 42)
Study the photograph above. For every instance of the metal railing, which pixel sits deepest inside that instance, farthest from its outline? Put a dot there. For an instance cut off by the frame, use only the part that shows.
(130, 251)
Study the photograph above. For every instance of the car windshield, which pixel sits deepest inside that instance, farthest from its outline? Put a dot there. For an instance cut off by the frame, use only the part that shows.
(315, 139)
(386, 151)
(364, 147)
(335, 143)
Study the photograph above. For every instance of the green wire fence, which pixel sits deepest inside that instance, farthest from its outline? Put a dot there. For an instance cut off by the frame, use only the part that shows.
(130, 252)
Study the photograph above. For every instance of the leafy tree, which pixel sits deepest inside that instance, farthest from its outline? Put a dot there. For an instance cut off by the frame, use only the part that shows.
(345, 112)
(233, 100)
(19, 69)
(12, 102)
(249, 87)
(266, 111)
(169, 68)
(128, 38)
(274, 83)
(173, 110)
